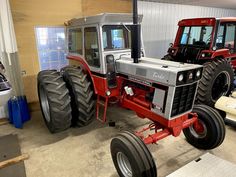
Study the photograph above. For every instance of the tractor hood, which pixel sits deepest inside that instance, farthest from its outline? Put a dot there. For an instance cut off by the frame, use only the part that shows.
(158, 71)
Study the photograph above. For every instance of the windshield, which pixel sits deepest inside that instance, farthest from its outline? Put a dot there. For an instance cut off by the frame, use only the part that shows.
(116, 37)
(196, 35)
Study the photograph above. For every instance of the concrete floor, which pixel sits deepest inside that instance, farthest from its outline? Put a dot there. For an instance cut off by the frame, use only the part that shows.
(84, 152)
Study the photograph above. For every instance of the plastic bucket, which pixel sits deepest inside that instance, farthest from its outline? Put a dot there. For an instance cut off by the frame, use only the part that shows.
(18, 111)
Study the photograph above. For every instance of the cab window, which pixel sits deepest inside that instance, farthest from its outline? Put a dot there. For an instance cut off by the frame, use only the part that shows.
(116, 37)
(196, 35)
(230, 36)
(226, 37)
(92, 55)
(75, 41)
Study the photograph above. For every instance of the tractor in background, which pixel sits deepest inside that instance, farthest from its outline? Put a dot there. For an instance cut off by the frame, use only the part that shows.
(209, 42)
(111, 69)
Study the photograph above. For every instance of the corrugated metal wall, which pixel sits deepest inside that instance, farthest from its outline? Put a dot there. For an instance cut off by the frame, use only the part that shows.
(160, 23)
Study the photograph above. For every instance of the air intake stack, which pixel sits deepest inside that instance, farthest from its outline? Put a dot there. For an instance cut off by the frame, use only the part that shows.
(136, 34)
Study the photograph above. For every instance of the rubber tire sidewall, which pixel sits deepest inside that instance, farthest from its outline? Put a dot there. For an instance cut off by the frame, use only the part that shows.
(204, 94)
(136, 160)
(215, 128)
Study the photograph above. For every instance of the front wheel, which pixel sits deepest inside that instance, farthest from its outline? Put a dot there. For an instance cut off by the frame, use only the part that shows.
(209, 131)
(131, 156)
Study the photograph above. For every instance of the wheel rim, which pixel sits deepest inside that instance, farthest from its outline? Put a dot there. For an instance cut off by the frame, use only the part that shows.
(124, 164)
(221, 85)
(198, 129)
(44, 102)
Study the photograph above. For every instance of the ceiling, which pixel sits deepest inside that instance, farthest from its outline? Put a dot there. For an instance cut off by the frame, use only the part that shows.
(209, 3)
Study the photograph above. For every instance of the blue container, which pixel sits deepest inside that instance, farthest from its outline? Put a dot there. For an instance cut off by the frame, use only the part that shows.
(24, 109)
(18, 111)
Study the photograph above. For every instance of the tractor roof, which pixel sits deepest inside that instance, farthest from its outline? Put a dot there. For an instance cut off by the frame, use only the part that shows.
(197, 21)
(204, 21)
(104, 18)
(227, 19)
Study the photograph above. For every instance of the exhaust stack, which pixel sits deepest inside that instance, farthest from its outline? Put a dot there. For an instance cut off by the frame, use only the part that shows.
(136, 34)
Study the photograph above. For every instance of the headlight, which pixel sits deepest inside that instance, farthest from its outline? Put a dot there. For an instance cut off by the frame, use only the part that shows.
(198, 74)
(181, 78)
(206, 55)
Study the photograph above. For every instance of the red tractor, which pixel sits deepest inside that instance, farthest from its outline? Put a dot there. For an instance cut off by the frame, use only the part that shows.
(210, 42)
(111, 70)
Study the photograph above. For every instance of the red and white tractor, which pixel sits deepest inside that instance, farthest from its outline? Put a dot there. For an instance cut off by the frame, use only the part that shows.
(111, 69)
(211, 43)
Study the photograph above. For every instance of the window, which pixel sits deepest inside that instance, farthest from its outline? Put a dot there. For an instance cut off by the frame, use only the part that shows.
(196, 35)
(92, 46)
(226, 37)
(51, 47)
(230, 36)
(185, 34)
(75, 41)
(116, 37)
(219, 39)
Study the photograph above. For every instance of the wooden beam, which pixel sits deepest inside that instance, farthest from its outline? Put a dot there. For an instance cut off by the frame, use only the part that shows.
(4, 121)
(14, 160)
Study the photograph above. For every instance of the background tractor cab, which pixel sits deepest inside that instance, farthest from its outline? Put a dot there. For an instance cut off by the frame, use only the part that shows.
(202, 39)
(101, 39)
(211, 42)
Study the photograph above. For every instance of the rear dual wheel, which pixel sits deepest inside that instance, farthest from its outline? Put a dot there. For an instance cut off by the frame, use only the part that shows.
(54, 100)
(82, 95)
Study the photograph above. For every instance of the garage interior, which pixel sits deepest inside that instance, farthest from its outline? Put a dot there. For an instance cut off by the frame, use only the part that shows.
(85, 151)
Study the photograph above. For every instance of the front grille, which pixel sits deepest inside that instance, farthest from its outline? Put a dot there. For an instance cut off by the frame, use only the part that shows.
(183, 99)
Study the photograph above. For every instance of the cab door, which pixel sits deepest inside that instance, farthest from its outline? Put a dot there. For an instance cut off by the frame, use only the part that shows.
(226, 39)
(92, 48)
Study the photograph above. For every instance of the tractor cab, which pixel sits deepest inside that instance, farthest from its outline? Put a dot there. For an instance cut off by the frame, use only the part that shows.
(100, 39)
(202, 39)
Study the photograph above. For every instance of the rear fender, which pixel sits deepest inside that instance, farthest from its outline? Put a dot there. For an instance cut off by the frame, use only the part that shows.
(224, 53)
(85, 67)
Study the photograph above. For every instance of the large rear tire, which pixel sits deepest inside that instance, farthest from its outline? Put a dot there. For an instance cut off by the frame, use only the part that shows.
(168, 57)
(82, 95)
(209, 131)
(131, 156)
(54, 100)
(217, 81)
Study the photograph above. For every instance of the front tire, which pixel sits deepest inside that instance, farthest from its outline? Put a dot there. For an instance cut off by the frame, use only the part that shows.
(131, 156)
(217, 81)
(209, 131)
(54, 101)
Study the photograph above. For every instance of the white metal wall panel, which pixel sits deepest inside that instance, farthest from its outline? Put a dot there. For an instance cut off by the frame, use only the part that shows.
(160, 23)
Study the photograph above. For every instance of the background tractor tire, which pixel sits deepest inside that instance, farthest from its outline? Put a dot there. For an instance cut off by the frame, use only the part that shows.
(217, 80)
(54, 101)
(131, 156)
(211, 133)
(168, 58)
(82, 95)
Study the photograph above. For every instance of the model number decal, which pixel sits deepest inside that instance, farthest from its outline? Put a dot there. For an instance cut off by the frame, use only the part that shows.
(140, 81)
(157, 75)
